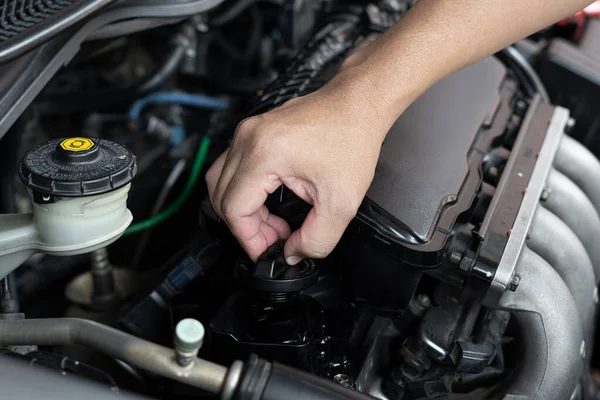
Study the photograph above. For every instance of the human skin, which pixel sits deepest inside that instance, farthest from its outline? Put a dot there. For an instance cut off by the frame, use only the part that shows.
(324, 146)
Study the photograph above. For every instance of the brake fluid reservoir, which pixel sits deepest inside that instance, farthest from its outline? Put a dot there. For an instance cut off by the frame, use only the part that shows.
(79, 190)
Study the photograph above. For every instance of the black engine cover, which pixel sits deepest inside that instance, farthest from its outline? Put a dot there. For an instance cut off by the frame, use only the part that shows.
(423, 162)
(427, 180)
(429, 169)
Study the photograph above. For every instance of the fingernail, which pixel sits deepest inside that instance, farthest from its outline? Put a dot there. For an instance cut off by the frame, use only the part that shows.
(293, 260)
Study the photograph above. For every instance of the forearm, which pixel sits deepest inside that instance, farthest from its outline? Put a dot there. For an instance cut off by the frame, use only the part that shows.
(438, 37)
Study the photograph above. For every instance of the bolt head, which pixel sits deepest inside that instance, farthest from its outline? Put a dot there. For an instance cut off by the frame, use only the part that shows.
(343, 380)
(514, 282)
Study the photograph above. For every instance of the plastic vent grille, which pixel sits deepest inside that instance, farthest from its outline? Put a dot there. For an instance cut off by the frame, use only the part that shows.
(19, 16)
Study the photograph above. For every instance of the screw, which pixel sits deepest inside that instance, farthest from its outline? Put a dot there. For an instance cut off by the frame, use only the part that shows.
(514, 282)
(343, 380)
(100, 259)
(545, 194)
(456, 257)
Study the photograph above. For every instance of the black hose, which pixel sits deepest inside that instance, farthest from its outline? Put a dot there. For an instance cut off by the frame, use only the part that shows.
(272, 381)
(234, 11)
(107, 98)
(166, 70)
(253, 44)
(520, 62)
(256, 33)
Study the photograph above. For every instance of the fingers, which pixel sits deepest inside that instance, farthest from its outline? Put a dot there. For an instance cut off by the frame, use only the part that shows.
(260, 231)
(317, 236)
(238, 194)
(213, 175)
(279, 225)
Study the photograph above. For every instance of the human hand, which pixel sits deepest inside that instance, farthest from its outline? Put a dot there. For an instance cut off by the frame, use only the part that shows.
(323, 146)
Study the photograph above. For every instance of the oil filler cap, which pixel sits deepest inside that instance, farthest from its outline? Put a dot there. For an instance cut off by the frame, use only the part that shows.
(272, 274)
(77, 167)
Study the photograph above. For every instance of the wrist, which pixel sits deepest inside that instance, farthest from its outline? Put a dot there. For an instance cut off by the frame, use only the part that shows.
(373, 87)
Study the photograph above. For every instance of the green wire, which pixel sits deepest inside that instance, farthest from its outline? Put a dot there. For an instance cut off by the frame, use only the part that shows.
(177, 204)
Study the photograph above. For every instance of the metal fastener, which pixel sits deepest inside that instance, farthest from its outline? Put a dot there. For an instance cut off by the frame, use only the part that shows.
(343, 380)
(514, 282)
(545, 194)
(455, 257)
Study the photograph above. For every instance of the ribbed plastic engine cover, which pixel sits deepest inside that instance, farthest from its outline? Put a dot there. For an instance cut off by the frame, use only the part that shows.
(25, 24)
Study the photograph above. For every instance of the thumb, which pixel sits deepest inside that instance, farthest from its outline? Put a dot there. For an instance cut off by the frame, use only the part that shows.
(317, 236)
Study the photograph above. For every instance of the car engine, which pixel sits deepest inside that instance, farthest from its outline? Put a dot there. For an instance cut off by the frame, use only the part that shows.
(470, 271)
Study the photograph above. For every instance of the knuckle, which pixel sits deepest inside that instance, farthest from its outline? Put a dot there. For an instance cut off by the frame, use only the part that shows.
(264, 146)
(248, 126)
(344, 206)
(227, 208)
(314, 248)
(211, 178)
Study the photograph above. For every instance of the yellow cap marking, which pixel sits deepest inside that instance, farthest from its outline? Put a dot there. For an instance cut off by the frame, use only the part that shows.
(77, 144)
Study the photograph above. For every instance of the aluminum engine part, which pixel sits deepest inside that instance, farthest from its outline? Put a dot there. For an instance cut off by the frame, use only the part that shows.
(554, 326)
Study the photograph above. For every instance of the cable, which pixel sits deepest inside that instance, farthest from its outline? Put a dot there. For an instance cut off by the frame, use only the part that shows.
(252, 45)
(234, 11)
(180, 201)
(187, 99)
(524, 65)
(173, 177)
(167, 68)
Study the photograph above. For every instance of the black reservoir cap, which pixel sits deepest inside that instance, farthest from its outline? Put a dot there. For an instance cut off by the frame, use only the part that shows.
(77, 167)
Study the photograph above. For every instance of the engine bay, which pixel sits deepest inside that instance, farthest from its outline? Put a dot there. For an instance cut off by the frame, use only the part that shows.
(469, 272)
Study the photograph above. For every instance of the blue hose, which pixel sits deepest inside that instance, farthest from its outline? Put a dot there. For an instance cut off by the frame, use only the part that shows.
(187, 99)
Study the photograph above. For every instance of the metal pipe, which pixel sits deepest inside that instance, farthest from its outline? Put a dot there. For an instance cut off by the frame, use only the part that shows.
(553, 343)
(552, 239)
(568, 202)
(130, 349)
(582, 167)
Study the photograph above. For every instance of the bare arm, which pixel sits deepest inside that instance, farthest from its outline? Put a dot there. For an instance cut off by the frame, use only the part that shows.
(439, 37)
(325, 146)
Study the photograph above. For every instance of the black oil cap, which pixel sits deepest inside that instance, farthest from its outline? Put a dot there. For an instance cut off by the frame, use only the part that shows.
(272, 274)
(77, 167)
